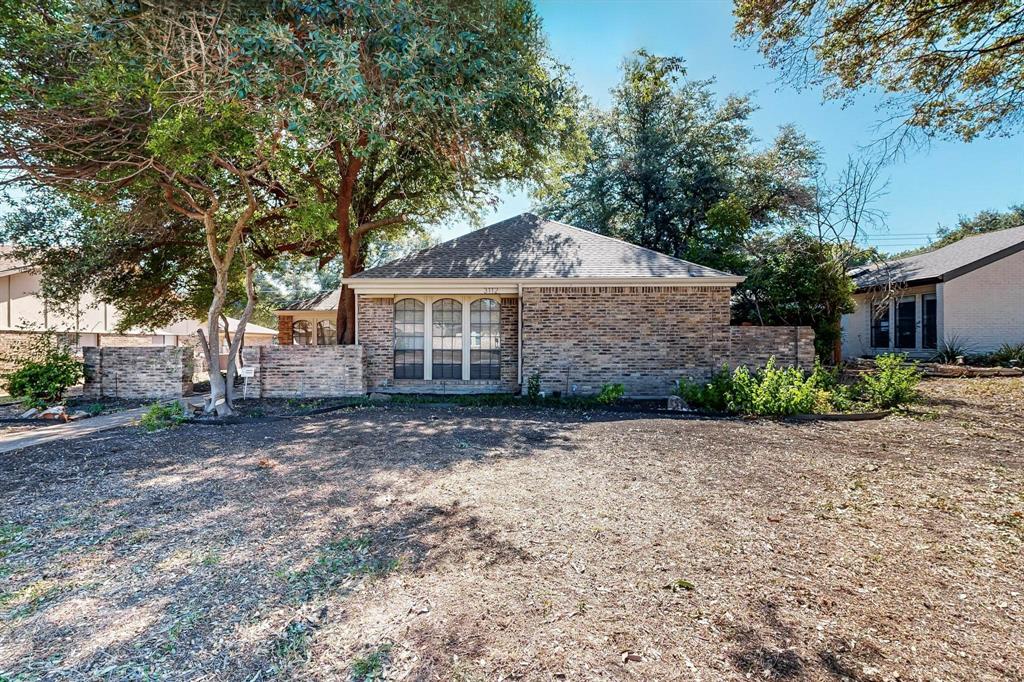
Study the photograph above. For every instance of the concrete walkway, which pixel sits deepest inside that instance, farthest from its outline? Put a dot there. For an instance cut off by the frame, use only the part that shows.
(75, 429)
(68, 431)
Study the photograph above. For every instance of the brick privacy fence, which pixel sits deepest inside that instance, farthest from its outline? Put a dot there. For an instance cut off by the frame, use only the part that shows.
(15, 348)
(753, 346)
(305, 371)
(138, 372)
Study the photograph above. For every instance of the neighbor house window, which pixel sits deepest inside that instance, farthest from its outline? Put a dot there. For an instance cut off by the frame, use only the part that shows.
(446, 345)
(929, 326)
(906, 323)
(485, 339)
(408, 339)
(302, 333)
(880, 325)
(326, 333)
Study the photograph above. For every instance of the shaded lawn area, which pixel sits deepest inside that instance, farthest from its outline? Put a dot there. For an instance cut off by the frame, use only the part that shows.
(428, 543)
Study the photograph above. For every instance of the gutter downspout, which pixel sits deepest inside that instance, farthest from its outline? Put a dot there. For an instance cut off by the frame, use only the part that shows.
(519, 335)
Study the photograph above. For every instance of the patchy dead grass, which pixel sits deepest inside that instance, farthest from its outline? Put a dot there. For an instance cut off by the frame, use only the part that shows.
(428, 543)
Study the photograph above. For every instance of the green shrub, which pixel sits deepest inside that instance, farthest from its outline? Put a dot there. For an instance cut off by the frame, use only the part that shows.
(162, 416)
(951, 350)
(38, 382)
(533, 387)
(710, 395)
(893, 383)
(774, 391)
(770, 391)
(611, 394)
(1009, 353)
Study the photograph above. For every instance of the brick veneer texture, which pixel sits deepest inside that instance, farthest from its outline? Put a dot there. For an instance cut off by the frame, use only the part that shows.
(284, 330)
(306, 371)
(645, 338)
(133, 372)
(376, 333)
(753, 346)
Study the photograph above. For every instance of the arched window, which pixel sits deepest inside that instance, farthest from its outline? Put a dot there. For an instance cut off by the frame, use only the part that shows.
(446, 348)
(485, 339)
(408, 339)
(302, 333)
(326, 333)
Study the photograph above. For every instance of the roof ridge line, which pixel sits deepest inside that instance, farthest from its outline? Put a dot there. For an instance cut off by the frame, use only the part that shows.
(635, 246)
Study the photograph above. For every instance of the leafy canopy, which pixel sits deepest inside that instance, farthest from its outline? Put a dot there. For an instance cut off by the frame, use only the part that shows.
(953, 69)
(674, 170)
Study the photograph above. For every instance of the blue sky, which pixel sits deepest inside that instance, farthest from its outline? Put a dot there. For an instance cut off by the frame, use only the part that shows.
(930, 187)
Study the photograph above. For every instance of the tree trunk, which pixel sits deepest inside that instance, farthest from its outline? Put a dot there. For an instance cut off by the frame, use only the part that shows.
(235, 347)
(352, 264)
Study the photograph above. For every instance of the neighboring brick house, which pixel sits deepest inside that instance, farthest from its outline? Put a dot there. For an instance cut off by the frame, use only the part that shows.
(970, 292)
(486, 311)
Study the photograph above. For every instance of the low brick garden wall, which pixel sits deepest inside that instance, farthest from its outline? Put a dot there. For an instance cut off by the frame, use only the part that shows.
(305, 371)
(754, 346)
(138, 372)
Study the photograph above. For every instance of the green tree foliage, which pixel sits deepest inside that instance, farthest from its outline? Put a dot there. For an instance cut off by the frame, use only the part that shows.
(154, 269)
(982, 222)
(674, 170)
(289, 128)
(44, 374)
(796, 278)
(946, 68)
(404, 111)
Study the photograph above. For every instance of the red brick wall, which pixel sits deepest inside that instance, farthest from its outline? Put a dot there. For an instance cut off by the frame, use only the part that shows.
(284, 330)
(643, 337)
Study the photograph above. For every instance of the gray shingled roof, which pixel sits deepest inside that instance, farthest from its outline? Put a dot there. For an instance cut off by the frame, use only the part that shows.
(325, 300)
(945, 263)
(529, 246)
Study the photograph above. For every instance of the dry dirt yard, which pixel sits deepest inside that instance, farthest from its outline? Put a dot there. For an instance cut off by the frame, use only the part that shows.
(426, 543)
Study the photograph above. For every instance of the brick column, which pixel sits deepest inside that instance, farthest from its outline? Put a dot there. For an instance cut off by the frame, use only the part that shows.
(284, 330)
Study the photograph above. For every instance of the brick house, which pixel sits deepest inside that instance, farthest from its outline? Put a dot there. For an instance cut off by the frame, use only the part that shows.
(970, 292)
(526, 296)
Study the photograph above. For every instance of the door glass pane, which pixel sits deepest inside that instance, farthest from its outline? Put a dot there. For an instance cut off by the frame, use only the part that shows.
(880, 325)
(446, 348)
(929, 330)
(409, 339)
(485, 339)
(906, 324)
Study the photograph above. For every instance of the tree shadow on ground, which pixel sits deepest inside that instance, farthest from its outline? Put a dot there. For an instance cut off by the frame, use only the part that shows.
(159, 547)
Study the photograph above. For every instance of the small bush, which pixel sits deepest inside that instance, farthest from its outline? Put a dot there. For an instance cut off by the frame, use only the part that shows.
(39, 382)
(893, 383)
(951, 350)
(774, 391)
(611, 394)
(1008, 354)
(709, 395)
(533, 387)
(770, 391)
(162, 416)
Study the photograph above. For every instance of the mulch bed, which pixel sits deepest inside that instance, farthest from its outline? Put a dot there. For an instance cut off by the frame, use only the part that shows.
(427, 542)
